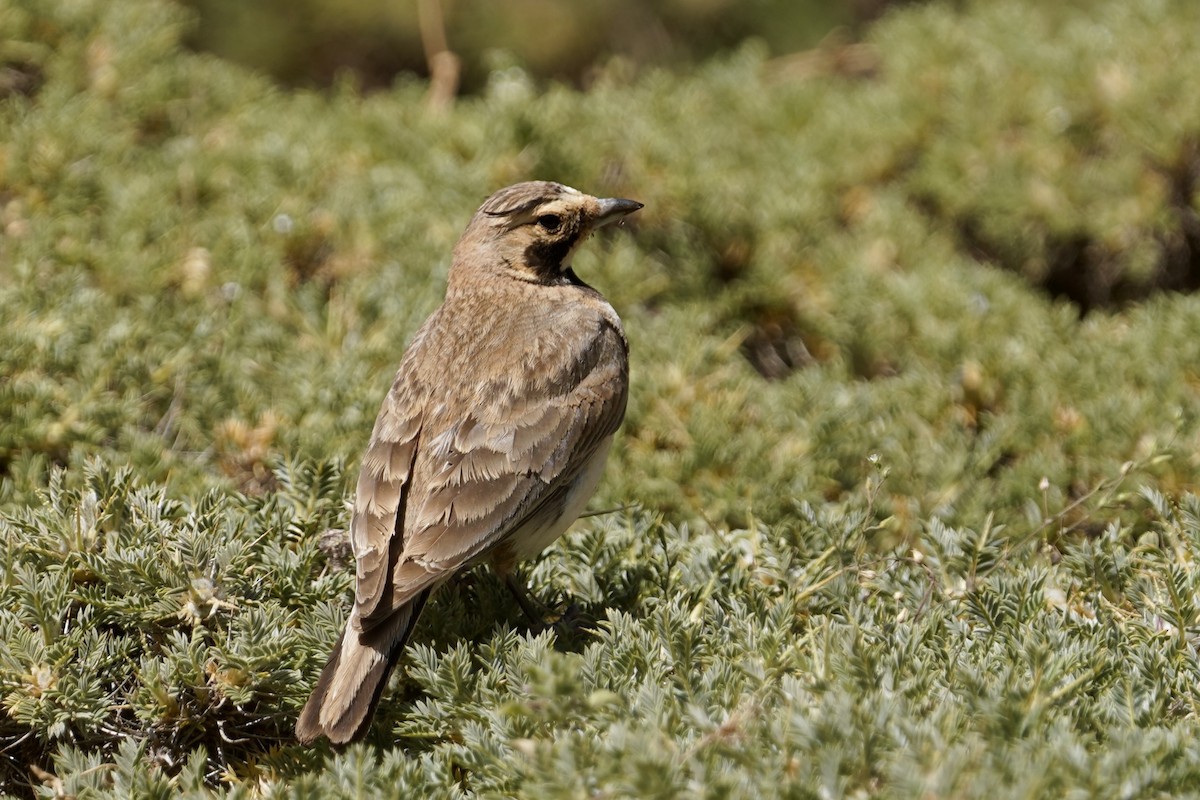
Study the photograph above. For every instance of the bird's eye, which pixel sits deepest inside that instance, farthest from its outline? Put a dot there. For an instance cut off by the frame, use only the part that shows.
(550, 221)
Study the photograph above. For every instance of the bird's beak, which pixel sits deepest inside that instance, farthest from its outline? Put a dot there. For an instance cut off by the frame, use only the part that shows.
(613, 209)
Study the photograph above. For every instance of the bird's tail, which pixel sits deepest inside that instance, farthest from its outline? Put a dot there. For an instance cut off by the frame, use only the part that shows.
(344, 700)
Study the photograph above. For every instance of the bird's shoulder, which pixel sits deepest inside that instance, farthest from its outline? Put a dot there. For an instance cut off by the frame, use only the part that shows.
(509, 340)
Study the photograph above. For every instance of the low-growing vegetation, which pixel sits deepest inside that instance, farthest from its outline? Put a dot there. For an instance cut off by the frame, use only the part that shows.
(905, 502)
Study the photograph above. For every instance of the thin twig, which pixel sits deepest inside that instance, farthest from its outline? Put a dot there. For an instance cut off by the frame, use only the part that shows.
(445, 67)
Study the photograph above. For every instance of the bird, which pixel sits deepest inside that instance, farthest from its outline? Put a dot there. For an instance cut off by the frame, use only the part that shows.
(491, 440)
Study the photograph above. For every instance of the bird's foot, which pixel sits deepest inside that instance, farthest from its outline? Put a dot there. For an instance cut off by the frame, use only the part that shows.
(570, 620)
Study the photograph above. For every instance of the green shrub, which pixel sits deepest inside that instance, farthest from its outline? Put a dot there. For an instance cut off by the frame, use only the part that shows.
(899, 521)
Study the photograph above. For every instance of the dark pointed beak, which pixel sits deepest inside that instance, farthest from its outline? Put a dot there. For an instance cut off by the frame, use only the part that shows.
(613, 209)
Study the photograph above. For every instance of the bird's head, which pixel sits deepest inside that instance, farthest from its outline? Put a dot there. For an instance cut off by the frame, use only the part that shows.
(530, 231)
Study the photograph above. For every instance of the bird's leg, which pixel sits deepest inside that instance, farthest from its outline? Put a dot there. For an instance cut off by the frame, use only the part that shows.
(570, 621)
(537, 612)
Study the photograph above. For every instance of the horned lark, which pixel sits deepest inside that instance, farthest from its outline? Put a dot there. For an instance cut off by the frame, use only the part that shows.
(492, 438)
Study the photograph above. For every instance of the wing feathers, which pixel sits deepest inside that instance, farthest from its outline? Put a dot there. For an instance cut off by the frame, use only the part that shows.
(383, 487)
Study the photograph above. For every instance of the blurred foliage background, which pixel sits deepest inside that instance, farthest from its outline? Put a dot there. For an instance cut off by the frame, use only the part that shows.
(314, 42)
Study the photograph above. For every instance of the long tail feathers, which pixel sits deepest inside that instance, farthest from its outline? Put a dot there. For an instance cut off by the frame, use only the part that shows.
(344, 700)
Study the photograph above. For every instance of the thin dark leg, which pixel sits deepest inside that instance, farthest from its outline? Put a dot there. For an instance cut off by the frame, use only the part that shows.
(570, 622)
(538, 614)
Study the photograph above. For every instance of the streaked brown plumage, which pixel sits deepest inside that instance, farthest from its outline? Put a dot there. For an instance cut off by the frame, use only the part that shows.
(492, 438)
